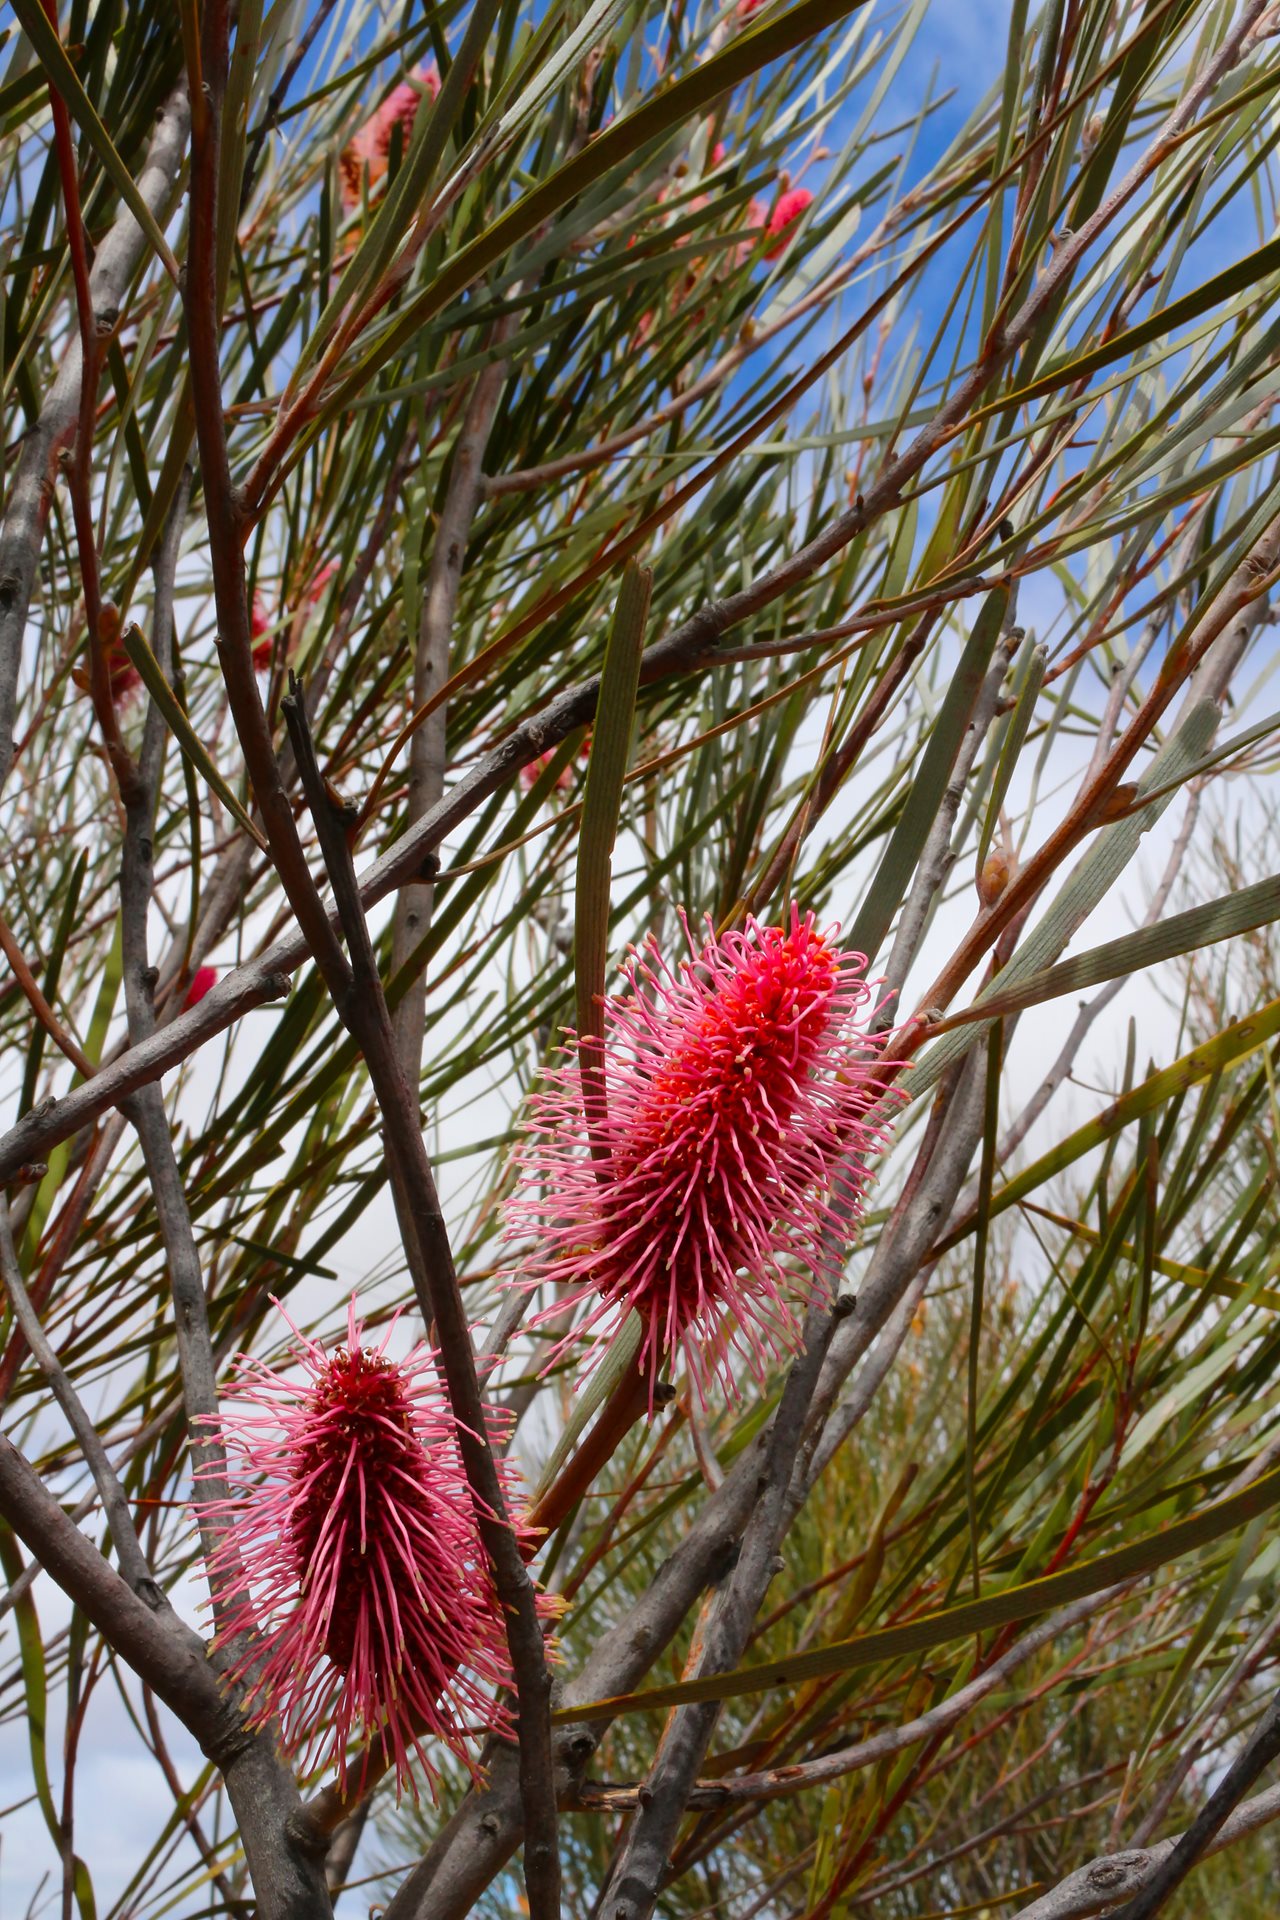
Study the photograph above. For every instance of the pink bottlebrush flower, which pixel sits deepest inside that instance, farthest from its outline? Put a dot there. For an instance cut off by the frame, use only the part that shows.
(354, 1559)
(260, 622)
(739, 1089)
(369, 151)
(201, 980)
(123, 678)
(787, 210)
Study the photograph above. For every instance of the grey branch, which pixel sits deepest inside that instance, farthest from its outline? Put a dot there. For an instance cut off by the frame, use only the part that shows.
(284, 1858)
(1112, 1877)
(776, 1782)
(642, 1866)
(146, 1109)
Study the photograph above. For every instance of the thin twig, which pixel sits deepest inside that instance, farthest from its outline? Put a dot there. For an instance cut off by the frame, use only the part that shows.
(412, 920)
(39, 1005)
(777, 1782)
(133, 1561)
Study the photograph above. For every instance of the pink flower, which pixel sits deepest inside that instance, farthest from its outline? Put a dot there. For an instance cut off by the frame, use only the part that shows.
(370, 149)
(123, 678)
(746, 8)
(354, 1560)
(260, 621)
(531, 772)
(260, 631)
(739, 1092)
(320, 580)
(786, 211)
(201, 980)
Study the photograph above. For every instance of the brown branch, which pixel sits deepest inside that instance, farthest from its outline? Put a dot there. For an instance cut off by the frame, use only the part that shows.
(80, 468)
(360, 1001)
(43, 1012)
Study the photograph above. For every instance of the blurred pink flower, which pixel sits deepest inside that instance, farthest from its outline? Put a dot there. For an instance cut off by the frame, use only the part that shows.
(757, 220)
(354, 1559)
(369, 151)
(738, 1112)
(320, 580)
(532, 770)
(201, 980)
(260, 631)
(123, 678)
(260, 622)
(787, 210)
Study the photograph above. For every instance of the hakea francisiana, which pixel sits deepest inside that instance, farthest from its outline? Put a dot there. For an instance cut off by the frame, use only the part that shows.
(262, 628)
(348, 1551)
(741, 1117)
(367, 156)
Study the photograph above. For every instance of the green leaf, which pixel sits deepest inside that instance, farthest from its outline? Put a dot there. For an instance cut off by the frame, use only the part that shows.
(1235, 1042)
(1197, 927)
(62, 75)
(180, 726)
(906, 843)
(1248, 272)
(52, 973)
(621, 1354)
(1016, 1604)
(1091, 880)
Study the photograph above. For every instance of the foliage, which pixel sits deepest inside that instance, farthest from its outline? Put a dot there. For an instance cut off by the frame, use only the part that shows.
(959, 496)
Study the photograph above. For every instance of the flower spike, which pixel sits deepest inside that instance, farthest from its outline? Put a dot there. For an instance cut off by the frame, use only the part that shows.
(744, 1115)
(350, 1555)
